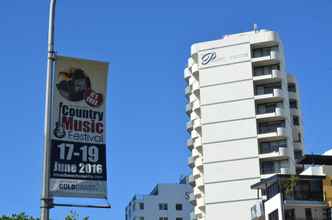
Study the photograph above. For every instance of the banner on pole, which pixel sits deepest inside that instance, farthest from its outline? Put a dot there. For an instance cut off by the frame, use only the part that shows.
(78, 145)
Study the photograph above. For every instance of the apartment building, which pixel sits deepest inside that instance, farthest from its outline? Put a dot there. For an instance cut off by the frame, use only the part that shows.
(165, 202)
(244, 121)
(307, 196)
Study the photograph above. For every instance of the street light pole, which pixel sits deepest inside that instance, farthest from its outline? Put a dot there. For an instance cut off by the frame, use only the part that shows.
(46, 199)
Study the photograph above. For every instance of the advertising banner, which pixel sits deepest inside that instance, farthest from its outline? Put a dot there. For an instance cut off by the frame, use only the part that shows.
(78, 145)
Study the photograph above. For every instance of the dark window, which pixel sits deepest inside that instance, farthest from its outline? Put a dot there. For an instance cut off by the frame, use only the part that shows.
(265, 70)
(267, 167)
(291, 87)
(267, 107)
(163, 218)
(296, 120)
(272, 190)
(274, 215)
(290, 214)
(141, 205)
(262, 52)
(179, 218)
(163, 206)
(298, 154)
(267, 89)
(178, 207)
(308, 214)
(271, 126)
(272, 146)
(293, 104)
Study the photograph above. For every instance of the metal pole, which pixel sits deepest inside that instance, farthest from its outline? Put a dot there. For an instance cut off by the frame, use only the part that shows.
(46, 200)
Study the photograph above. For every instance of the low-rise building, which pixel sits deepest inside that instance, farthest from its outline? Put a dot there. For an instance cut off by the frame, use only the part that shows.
(165, 202)
(307, 196)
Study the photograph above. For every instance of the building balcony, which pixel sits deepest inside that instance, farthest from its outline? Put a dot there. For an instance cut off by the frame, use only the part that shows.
(189, 126)
(199, 183)
(192, 199)
(191, 180)
(269, 95)
(190, 143)
(187, 90)
(198, 192)
(298, 145)
(187, 74)
(195, 134)
(198, 213)
(197, 124)
(197, 173)
(277, 113)
(196, 105)
(191, 162)
(195, 88)
(198, 144)
(269, 76)
(194, 69)
(271, 134)
(281, 153)
(268, 58)
(200, 203)
(199, 163)
(266, 173)
(191, 62)
(188, 109)
(195, 153)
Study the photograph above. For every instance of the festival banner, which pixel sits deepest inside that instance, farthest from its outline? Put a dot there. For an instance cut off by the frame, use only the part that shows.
(78, 139)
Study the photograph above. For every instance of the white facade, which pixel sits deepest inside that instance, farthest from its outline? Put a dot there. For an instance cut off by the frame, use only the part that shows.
(165, 202)
(245, 121)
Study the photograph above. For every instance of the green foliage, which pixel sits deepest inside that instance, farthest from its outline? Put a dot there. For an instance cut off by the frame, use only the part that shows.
(22, 216)
(290, 184)
(74, 216)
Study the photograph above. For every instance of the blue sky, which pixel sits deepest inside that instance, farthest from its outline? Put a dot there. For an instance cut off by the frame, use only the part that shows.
(147, 43)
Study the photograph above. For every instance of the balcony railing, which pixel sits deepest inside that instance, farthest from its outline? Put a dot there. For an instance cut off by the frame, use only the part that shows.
(269, 148)
(270, 128)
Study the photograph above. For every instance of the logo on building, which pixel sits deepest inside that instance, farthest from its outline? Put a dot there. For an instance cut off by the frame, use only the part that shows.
(209, 57)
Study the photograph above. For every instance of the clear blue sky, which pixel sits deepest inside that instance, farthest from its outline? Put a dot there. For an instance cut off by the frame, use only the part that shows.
(147, 43)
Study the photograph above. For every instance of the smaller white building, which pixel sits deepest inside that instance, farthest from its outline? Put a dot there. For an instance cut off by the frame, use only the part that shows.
(165, 202)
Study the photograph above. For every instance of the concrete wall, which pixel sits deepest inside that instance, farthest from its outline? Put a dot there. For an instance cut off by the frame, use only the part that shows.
(230, 150)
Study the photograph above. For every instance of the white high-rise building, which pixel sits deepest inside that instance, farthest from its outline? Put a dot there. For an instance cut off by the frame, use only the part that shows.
(245, 121)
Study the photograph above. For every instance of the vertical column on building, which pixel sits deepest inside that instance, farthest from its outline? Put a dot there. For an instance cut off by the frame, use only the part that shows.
(194, 143)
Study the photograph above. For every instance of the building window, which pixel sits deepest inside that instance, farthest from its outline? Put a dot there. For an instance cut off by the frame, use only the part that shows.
(296, 120)
(272, 190)
(267, 167)
(271, 146)
(163, 206)
(274, 215)
(290, 214)
(178, 207)
(293, 104)
(141, 205)
(298, 154)
(271, 126)
(265, 70)
(308, 214)
(163, 218)
(291, 87)
(262, 52)
(179, 218)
